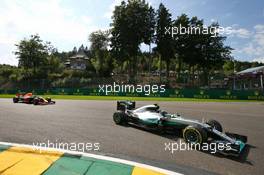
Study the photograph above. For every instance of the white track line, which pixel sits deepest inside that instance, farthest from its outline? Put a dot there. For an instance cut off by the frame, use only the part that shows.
(128, 162)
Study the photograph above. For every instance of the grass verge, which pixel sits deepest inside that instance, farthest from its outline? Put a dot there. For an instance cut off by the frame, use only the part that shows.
(83, 97)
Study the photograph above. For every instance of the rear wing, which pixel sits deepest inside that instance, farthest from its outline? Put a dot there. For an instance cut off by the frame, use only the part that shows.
(123, 105)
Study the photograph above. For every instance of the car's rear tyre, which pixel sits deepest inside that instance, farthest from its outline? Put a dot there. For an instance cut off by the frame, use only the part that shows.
(194, 135)
(35, 101)
(119, 118)
(215, 124)
(15, 100)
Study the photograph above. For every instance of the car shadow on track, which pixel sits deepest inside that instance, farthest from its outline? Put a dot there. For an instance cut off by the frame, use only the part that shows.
(176, 135)
(242, 158)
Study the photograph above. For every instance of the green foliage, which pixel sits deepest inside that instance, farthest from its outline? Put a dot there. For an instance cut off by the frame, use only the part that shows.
(240, 65)
(54, 65)
(99, 40)
(133, 24)
(32, 53)
(228, 67)
(102, 61)
(205, 51)
(73, 82)
(164, 40)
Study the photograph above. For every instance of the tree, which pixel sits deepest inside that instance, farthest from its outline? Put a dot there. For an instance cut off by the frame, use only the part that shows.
(99, 44)
(81, 48)
(132, 25)
(180, 41)
(164, 40)
(99, 40)
(37, 59)
(228, 67)
(213, 52)
(190, 44)
(205, 50)
(150, 27)
(74, 50)
(32, 53)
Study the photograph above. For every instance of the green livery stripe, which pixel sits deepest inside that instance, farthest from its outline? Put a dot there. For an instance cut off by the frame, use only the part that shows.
(171, 123)
(149, 122)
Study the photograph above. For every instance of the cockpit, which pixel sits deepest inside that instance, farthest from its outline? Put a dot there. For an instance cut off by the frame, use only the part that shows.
(150, 108)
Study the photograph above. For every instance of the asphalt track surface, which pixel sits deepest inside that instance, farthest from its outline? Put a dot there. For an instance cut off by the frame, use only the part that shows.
(91, 122)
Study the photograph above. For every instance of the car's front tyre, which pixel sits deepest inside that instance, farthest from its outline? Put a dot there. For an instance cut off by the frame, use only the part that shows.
(48, 99)
(194, 135)
(215, 124)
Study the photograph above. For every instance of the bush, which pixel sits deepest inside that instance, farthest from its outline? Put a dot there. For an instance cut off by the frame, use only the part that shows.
(71, 82)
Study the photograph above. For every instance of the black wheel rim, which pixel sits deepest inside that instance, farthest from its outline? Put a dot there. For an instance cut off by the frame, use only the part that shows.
(192, 137)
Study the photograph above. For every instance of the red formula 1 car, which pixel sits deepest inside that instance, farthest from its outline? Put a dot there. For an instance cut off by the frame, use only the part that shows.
(29, 98)
(24, 98)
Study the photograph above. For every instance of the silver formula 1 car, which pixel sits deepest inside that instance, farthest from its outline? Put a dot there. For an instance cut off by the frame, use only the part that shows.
(193, 131)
